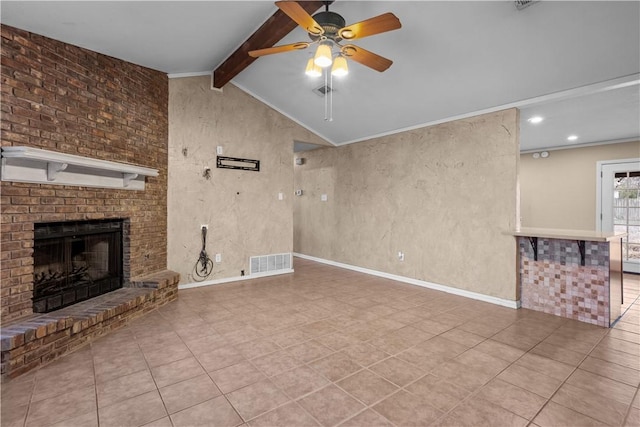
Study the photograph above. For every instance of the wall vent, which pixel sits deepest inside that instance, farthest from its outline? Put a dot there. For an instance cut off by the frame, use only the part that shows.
(521, 4)
(269, 263)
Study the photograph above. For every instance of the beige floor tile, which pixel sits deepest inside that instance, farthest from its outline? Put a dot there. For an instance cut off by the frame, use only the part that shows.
(276, 363)
(257, 348)
(16, 392)
(336, 366)
(483, 329)
(299, 381)
(118, 366)
(468, 377)
(367, 418)
(512, 398)
(397, 371)
(500, 350)
(68, 378)
(335, 341)
(633, 418)
(482, 362)
(612, 371)
(367, 387)
(216, 412)
(236, 376)
(61, 407)
(13, 415)
(530, 380)
(330, 405)
(619, 344)
(615, 356)
(89, 419)
(465, 338)
(553, 415)
(256, 399)
(404, 408)
(546, 366)
(162, 422)
(564, 355)
(439, 393)
(133, 412)
(126, 387)
(179, 396)
(177, 371)
(308, 351)
(167, 354)
(605, 387)
(593, 405)
(290, 414)
(630, 336)
(219, 358)
(432, 326)
(479, 412)
(206, 344)
(289, 337)
(364, 354)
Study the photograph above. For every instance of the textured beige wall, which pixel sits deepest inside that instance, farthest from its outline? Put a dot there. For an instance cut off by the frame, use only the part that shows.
(560, 191)
(242, 209)
(443, 195)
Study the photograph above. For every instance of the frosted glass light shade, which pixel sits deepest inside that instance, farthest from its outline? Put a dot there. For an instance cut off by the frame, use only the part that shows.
(323, 56)
(340, 67)
(312, 69)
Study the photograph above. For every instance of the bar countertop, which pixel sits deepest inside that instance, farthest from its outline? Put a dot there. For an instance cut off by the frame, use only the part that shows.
(552, 233)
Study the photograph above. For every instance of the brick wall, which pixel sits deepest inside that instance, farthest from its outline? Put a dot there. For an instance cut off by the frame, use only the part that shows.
(64, 98)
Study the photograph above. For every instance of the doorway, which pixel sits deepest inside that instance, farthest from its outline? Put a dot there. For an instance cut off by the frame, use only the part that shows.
(619, 206)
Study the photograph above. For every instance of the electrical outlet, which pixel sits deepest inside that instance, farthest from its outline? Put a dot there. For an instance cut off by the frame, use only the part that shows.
(401, 256)
(218, 257)
(219, 150)
(280, 196)
(323, 197)
(205, 226)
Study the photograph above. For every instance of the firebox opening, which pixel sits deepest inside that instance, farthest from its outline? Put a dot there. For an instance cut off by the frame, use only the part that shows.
(75, 261)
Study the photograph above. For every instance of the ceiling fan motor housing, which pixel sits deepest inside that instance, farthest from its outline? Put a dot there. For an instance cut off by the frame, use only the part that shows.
(330, 22)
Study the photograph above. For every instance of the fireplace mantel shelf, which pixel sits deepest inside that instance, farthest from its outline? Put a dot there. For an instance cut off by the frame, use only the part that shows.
(34, 165)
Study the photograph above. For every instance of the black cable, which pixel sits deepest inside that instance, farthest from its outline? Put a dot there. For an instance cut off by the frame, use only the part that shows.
(204, 264)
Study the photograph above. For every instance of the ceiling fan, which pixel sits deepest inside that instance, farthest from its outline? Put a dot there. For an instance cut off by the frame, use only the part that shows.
(328, 30)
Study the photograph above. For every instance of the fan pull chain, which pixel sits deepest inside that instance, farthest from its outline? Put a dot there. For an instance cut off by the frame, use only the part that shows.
(328, 95)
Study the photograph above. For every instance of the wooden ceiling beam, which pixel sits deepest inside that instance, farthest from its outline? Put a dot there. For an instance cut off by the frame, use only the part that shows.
(271, 32)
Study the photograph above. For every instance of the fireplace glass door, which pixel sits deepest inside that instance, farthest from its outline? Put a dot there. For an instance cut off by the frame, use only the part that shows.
(74, 262)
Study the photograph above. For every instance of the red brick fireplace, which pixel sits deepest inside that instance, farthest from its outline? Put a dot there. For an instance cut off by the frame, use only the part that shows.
(70, 100)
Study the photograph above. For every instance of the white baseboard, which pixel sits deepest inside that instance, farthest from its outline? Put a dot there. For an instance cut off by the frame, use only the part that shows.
(435, 286)
(234, 279)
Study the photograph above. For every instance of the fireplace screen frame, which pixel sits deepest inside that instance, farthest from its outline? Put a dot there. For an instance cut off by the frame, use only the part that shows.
(67, 245)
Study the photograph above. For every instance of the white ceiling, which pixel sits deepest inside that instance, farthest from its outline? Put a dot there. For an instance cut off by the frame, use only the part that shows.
(576, 63)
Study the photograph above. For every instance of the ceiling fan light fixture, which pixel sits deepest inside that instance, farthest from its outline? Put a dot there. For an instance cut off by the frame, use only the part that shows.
(322, 57)
(340, 67)
(312, 69)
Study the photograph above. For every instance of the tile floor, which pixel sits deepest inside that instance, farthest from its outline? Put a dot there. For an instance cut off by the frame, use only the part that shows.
(326, 346)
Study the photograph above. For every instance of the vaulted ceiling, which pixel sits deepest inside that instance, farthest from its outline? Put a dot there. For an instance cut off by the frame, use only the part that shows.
(576, 63)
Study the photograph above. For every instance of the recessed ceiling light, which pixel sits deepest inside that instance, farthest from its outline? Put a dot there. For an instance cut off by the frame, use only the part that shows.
(572, 137)
(535, 119)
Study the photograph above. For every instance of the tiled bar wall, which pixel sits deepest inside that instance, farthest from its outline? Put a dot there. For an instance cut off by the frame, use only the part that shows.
(557, 284)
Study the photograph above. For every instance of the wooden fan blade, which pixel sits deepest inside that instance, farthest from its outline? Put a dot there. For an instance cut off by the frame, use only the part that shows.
(300, 16)
(364, 57)
(376, 25)
(278, 49)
